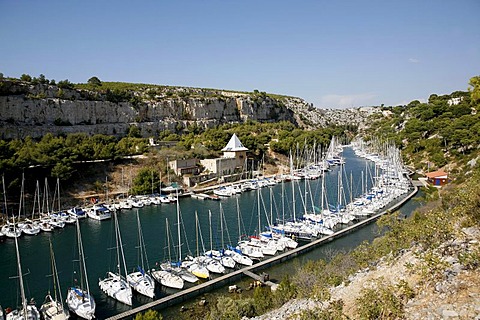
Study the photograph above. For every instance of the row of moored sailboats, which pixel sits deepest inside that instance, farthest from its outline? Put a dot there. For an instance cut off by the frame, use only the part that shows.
(390, 182)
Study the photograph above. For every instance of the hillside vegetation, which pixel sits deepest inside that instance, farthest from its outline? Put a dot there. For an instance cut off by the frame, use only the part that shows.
(443, 132)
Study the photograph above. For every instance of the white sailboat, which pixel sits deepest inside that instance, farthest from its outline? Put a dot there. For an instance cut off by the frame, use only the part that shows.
(180, 268)
(28, 226)
(196, 265)
(62, 215)
(79, 299)
(9, 229)
(167, 276)
(219, 255)
(27, 311)
(236, 253)
(115, 285)
(255, 243)
(139, 280)
(210, 257)
(52, 308)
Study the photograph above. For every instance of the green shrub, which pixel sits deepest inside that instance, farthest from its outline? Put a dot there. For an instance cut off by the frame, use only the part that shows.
(334, 311)
(149, 315)
(262, 299)
(379, 302)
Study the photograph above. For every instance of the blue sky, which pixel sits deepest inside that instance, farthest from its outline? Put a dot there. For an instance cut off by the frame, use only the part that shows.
(331, 53)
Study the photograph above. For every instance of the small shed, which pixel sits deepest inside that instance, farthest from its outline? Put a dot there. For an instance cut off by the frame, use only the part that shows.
(437, 178)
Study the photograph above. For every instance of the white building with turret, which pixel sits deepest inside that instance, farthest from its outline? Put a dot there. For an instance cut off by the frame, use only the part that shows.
(233, 159)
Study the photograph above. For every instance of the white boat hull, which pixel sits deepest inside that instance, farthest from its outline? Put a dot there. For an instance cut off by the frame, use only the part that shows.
(142, 283)
(80, 303)
(168, 279)
(116, 287)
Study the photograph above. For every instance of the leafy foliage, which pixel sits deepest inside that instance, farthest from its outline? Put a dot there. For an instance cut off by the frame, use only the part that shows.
(232, 309)
(145, 181)
(94, 81)
(59, 153)
(380, 302)
(149, 315)
(445, 129)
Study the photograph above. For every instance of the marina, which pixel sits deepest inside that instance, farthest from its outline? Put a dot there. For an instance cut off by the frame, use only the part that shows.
(97, 242)
(248, 271)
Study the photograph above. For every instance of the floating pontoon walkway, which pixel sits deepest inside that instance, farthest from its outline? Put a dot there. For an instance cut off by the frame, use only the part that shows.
(233, 276)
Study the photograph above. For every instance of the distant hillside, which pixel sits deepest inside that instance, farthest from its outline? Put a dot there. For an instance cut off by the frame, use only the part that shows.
(443, 132)
(34, 107)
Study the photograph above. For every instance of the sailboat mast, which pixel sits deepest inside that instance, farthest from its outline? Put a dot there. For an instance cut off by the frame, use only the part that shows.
(322, 195)
(351, 187)
(293, 188)
(140, 241)
(306, 197)
(121, 245)
(58, 194)
(271, 207)
(56, 282)
(21, 197)
(210, 224)
(258, 208)
(20, 274)
(83, 267)
(106, 191)
(5, 196)
(178, 231)
(168, 240)
(221, 225)
(283, 201)
(117, 242)
(34, 200)
(46, 195)
(238, 218)
(196, 232)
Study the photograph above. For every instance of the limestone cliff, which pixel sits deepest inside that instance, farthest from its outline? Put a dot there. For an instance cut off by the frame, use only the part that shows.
(28, 109)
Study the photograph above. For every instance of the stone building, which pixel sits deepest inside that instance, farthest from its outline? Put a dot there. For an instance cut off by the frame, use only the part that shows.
(184, 166)
(233, 159)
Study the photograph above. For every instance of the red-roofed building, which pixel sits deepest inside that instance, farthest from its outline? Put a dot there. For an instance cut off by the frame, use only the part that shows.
(437, 178)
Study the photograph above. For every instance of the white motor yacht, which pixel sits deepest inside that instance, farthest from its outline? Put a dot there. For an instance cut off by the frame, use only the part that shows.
(98, 212)
(79, 213)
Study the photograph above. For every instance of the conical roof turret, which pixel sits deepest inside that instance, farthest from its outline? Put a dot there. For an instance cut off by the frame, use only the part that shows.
(234, 144)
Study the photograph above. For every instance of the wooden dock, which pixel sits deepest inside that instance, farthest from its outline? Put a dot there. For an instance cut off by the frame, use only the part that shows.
(260, 279)
(233, 276)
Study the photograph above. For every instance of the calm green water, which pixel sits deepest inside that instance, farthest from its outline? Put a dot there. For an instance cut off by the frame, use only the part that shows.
(98, 237)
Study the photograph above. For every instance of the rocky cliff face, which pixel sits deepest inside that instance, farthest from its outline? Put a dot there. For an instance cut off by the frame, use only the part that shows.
(37, 109)
(33, 110)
